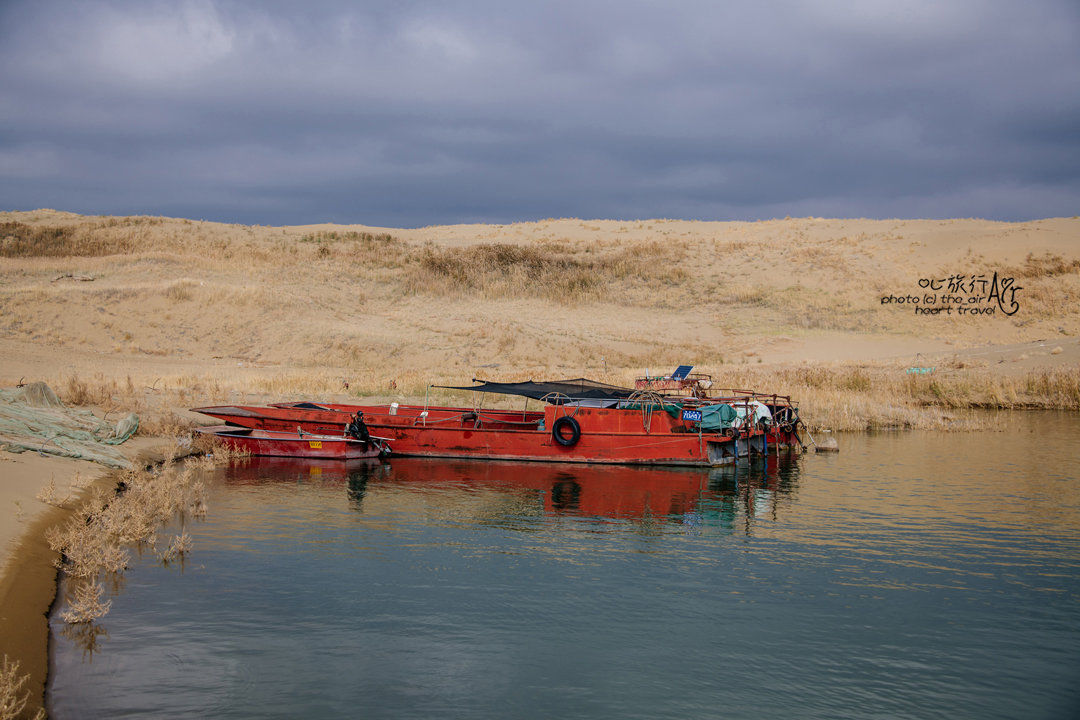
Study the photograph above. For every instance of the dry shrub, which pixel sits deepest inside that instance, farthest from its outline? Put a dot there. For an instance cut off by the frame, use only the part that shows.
(85, 604)
(77, 391)
(215, 451)
(88, 550)
(14, 695)
(178, 548)
(91, 542)
(49, 496)
(164, 424)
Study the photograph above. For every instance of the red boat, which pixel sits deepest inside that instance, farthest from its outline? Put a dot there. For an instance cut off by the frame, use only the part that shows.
(582, 422)
(296, 444)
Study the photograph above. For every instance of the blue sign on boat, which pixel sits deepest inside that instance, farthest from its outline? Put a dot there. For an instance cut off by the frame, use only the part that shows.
(691, 415)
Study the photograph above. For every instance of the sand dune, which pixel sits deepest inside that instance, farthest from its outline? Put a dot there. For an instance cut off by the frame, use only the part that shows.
(174, 298)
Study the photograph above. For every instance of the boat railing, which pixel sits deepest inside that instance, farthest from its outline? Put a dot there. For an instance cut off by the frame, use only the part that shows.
(754, 395)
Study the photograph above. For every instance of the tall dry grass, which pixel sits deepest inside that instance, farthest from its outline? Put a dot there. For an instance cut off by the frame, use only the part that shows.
(362, 240)
(869, 397)
(154, 401)
(558, 271)
(839, 396)
(1045, 265)
(85, 239)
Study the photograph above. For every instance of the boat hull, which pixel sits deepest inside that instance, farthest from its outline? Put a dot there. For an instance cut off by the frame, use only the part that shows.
(606, 435)
(782, 437)
(294, 444)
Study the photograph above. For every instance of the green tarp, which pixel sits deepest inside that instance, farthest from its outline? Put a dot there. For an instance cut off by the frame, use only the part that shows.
(670, 408)
(717, 417)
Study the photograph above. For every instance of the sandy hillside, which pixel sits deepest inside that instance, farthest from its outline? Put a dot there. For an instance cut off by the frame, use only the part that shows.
(306, 309)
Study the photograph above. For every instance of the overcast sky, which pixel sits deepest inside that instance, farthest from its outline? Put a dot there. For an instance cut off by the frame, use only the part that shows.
(409, 113)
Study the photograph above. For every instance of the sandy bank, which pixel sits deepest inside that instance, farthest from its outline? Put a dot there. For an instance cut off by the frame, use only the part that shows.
(28, 578)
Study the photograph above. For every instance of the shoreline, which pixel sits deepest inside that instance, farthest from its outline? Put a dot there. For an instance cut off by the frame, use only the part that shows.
(29, 576)
(28, 590)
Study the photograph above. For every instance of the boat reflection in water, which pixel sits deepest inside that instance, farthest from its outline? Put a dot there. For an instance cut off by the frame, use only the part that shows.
(715, 497)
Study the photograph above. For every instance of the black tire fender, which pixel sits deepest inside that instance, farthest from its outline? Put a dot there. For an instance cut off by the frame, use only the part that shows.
(557, 428)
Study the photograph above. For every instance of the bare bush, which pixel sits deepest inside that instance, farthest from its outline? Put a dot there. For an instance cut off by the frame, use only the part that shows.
(85, 604)
(13, 693)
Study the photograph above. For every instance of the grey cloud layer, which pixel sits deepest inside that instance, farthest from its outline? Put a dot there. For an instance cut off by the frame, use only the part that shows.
(417, 113)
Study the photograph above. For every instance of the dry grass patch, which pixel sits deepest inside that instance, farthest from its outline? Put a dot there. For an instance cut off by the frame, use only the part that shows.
(154, 403)
(1046, 265)
(97, 391)
(364, 240)
(868, 397)
(19, 239)
(1058, 388)
(180, 291)
(557, 271)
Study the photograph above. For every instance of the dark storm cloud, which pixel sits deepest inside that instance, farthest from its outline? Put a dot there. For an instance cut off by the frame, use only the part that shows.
(417, 112)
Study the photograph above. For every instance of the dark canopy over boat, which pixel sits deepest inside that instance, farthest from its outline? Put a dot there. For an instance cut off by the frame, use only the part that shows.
(576, 389)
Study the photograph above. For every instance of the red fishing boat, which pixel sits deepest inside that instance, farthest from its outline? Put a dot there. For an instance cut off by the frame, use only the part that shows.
(296, 443)
(582, 421)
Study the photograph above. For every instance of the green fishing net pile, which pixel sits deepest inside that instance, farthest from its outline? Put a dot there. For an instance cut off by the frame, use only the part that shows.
(33, 418)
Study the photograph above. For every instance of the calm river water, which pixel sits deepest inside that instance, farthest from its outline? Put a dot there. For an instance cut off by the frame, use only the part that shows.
(910, 575)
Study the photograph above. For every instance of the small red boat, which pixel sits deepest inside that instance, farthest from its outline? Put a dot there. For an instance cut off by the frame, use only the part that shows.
(296, 443)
